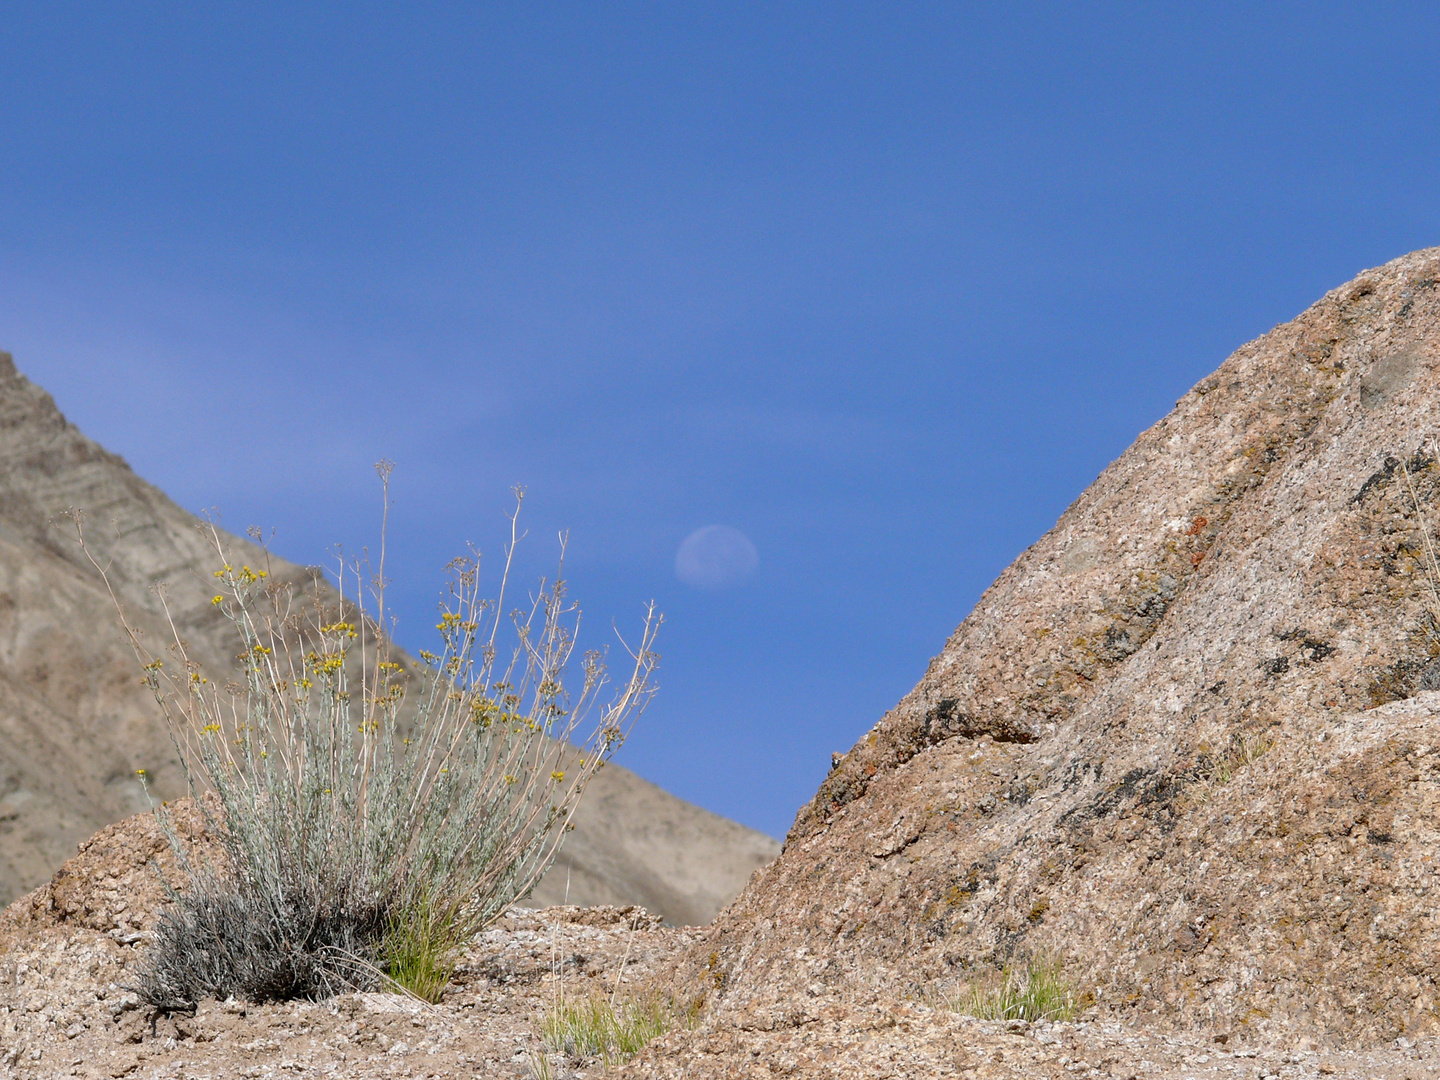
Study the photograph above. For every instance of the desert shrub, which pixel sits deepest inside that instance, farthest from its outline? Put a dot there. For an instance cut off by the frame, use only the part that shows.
(1033, 990)
(372, 818)
(219, 941)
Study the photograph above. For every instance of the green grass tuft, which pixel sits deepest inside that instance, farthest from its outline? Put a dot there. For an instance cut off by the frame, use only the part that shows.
(598, 1027)
(1038, 990)
(1246, 751)
(419, 950)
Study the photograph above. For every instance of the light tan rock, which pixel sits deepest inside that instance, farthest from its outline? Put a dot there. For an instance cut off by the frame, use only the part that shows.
(69, 949)
(1154, 748)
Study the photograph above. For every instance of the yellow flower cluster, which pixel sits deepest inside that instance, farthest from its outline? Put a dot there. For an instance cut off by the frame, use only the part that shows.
(326, 663)
(450, 620)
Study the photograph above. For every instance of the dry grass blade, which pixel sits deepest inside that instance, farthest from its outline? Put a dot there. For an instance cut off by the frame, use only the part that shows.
(1432, 567)
(601, 1028)
(1035, 990)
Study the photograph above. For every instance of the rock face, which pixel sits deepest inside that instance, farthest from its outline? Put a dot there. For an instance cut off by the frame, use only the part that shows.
(1187, 742)
(70, 949)
(75, 723)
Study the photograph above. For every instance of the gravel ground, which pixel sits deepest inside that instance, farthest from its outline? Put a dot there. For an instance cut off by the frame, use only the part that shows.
(64, 1012)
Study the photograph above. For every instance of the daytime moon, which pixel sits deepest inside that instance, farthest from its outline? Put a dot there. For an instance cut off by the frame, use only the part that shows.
(716, 557)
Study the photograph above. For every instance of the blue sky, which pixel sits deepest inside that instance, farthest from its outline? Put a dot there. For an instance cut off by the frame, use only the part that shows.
(882, 287)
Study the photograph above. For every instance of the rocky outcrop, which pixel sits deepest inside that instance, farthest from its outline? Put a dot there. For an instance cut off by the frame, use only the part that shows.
(75, 723)
(1186, 742)
(69, 952)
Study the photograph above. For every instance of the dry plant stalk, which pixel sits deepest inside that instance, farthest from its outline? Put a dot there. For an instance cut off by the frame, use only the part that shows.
(374, 818)
(1432, 567)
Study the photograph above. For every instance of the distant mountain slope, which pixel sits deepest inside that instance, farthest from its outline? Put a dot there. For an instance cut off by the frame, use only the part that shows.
(75, 723)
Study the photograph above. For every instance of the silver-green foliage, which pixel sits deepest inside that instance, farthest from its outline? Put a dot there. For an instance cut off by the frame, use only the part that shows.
(359, 801)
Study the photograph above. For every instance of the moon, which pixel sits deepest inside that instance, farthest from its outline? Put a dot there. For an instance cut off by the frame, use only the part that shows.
(716, 557)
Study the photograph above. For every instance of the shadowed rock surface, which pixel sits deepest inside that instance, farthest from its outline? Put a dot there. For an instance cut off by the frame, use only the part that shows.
(75, 723)
(1187, 741)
